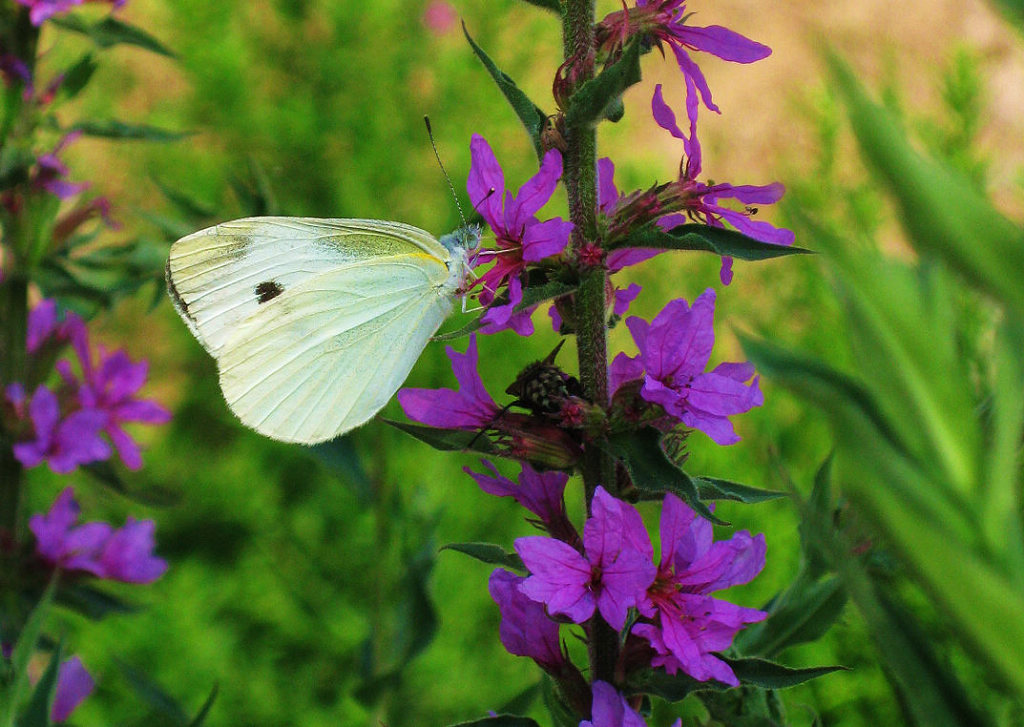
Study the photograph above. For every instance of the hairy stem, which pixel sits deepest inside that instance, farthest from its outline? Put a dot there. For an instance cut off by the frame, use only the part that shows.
(13, 320)
(591, 333)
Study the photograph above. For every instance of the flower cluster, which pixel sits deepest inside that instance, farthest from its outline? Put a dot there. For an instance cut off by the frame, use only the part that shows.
(611, 571)
(124, 554)
(65, 427)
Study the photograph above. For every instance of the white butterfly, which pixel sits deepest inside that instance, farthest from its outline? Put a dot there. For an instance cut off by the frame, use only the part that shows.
(315, 323)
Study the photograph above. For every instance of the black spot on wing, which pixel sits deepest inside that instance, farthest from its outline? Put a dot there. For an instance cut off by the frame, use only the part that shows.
(268, 291)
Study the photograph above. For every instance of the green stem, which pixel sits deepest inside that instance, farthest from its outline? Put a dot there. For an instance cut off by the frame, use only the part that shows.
(14, 321)
(591, 333)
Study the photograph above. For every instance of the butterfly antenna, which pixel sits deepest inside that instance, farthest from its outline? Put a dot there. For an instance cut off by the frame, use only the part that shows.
(433, 145)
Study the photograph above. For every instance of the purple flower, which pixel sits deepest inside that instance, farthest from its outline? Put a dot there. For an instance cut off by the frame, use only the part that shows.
(42, 10)
(539, 492)
(520, 237)
(63, 444)
(73, 685)
(610, 709)
(110, 389)
(611, 575)
(609, 201)
(700, 201)
(664, 21)
(674, 351)
(44, 323)
(686, 624)
(471, 407)
(51, 171)
(124, 555)
(526, 629)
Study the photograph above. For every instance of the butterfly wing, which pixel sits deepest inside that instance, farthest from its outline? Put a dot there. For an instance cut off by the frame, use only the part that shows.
(324, 356)
(221, 276)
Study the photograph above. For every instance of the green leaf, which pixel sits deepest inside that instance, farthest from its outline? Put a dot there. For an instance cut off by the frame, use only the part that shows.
(153, 694)
(599, 98)
(448, 440)
(77, 76)
(531, 296)
(155, 496)
(706, 238)
(341, 458)
(201, 715)
(37, 713)
(532, 116)
(185, 204)
(973, 236)
(28, 640)
(501, 720)
(801, 614)
(91, 602)
(114, 129)
(671, 688)
(713, 488)
(489, 553)
(554, 6)
(110, 32)
(651, 471)
(769, 675)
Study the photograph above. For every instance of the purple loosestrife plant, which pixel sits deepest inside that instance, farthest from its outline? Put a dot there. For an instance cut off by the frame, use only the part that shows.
(70, 417)
(649, 628)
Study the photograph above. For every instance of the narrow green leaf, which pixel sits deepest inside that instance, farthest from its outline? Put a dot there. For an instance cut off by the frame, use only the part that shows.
(153, 694)
(489, 553)
(78, 75)
(154, 496)
(800, 615)
(652, 472)
(706, 238)
(769, 675)
(341, 458)
(670, 687)
(447, 440)
(25, 647)
(713, 488)
(532, 116)
(201, 715)
(973, 236)
(599, 97)
(91, 602)
(114, 129)
(37, 712)
(501, 720)
(185, 204)
(110, 32)
(418, 621)
(532, 296)
(554, 6)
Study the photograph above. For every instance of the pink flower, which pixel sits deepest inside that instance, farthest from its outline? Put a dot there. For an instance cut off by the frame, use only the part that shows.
(611, 575)
(110, 388)
(124, 555)
(73, 685)
(674, 351)
(683, 623)
(63, 443)
(521, 238)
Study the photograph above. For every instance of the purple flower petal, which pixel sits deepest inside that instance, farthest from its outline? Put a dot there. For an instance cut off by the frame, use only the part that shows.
(559, 577)
(73, 685)
(610, 709)
(536, 191)
(128, 554)
(539, 492)
(526, 629)
(623, 297)
(486, 182)
(624, 368)
(626, 256)
(607, 193)
(722, 42)
(664, 115)
(471, 407)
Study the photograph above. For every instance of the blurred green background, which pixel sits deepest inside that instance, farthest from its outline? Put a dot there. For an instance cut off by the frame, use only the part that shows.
(300, 580)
